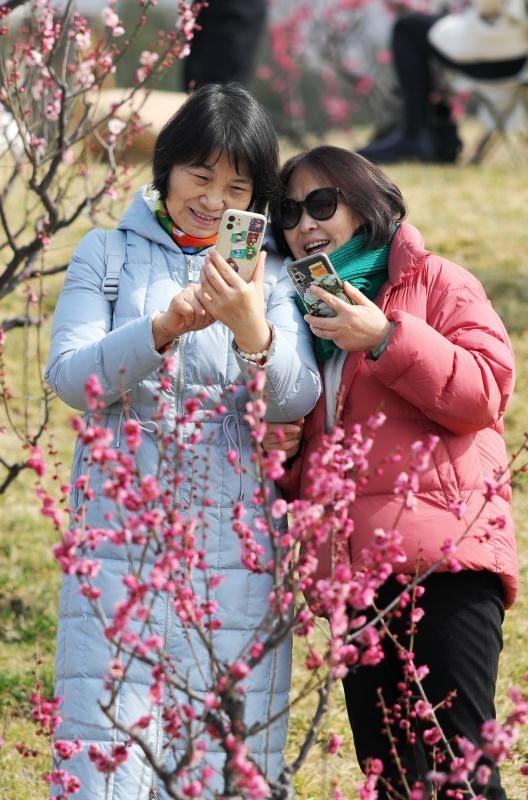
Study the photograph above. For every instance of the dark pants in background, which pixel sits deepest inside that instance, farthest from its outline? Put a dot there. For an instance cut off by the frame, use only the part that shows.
(459, 639)
(225, 48)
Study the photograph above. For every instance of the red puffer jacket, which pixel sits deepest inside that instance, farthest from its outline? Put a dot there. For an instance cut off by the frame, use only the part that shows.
(448, 371)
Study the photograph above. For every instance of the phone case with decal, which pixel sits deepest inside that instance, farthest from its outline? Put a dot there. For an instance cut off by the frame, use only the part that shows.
(239, 240)
(316, 269)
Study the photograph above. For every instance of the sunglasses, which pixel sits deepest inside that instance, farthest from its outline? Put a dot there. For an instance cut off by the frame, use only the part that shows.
(320, 204)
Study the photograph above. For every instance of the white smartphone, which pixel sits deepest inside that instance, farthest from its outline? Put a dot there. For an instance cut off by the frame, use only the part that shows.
(239, 240)
(316, 269)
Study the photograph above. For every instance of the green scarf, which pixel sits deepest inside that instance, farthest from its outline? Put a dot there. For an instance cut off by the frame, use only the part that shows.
(366, 269)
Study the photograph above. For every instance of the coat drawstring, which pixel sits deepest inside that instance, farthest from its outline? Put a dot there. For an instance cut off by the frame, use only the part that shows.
(147, 425)
(234, 444)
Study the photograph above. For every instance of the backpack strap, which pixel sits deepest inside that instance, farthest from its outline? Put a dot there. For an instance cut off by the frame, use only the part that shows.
(114, 258)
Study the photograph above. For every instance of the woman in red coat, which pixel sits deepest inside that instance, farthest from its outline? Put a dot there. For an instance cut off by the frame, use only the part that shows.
(423, 344)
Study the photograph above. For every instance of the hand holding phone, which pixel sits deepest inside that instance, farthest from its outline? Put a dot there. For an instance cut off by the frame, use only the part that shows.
(240, 239)
(316, 269)
(360, 325)
(237, 304)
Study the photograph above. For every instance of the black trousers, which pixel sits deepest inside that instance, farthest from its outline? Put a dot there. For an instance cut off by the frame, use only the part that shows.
(459, 638)
(413, 57)
(225, 48)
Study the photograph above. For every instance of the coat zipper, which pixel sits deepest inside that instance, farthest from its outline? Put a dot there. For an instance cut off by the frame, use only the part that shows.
(169, 613)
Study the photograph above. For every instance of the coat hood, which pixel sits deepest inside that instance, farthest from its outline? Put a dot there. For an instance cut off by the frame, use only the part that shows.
(140, 218)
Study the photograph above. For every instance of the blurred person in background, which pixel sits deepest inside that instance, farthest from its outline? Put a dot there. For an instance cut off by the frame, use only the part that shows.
(487, 42)
(225, 47)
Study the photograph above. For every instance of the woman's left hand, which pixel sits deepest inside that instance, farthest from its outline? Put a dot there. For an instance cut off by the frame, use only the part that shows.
(237, 304)
(285, 436)
(362, 326)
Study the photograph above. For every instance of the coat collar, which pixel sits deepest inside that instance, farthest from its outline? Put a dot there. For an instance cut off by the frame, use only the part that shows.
(140, 219)
(406, 254)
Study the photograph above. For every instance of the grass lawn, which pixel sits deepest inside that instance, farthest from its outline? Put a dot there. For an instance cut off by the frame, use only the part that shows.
(474, 215)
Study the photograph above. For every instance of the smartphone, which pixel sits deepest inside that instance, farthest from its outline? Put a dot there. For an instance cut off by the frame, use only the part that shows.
(239, 240)
(316, 269)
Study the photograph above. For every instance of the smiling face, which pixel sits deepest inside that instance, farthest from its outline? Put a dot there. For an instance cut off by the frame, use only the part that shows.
(198, 194)
(317, 236)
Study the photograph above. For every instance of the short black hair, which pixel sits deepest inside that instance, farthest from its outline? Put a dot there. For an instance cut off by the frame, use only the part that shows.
(371, 195)
(219, 119)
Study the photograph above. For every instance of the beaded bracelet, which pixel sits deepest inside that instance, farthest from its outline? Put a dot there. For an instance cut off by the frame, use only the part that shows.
(260, 357)
(254, 357)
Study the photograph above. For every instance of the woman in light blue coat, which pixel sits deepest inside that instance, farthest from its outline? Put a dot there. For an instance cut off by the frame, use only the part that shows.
(176, 296)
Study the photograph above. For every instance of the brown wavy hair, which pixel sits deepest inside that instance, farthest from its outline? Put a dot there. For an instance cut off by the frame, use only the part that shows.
(371, 195)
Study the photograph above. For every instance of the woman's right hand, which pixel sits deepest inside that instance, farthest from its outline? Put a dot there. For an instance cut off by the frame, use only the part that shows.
(284, 436)
(185, 313)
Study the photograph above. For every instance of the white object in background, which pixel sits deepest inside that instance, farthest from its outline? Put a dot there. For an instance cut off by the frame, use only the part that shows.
(500, 95)
(10, 139)
(468, 37)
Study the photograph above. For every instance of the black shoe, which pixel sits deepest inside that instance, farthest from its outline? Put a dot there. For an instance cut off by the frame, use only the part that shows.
(381, 132)
(447, 144)
(397, 147)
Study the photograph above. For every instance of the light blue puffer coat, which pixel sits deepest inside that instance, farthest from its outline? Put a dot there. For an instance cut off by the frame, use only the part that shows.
(86, 340)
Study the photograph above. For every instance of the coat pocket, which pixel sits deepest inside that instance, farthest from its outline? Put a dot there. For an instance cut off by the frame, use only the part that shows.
(457, 466)
(83, 467)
